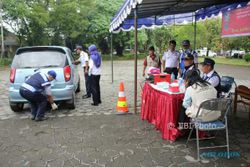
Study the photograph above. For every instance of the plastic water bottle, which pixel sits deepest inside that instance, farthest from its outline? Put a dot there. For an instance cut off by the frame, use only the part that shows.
(172, 77)
(180, 81)
(181, 85)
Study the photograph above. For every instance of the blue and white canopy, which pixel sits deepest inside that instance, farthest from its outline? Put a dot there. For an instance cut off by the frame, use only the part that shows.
(155, 13)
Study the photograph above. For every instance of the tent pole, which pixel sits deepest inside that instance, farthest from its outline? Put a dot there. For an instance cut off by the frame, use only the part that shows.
(135, 59)
(111, 54)
(195, 30)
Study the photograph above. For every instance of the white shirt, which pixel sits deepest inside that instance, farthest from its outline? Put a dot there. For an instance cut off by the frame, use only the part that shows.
(93, 70)
(214, 81)
(83, 58)
(171, 59)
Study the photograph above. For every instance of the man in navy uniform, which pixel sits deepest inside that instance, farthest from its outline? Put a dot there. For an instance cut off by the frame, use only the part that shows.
(210, 75)
(188, 65)
(37, 90)
(187, 50)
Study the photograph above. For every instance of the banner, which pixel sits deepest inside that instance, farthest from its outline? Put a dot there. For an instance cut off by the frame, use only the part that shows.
(236, 22)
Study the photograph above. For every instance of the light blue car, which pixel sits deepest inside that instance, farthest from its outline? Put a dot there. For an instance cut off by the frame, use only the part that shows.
(29, 60)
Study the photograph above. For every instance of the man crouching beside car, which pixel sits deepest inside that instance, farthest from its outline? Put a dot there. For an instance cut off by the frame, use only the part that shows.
(37, 90)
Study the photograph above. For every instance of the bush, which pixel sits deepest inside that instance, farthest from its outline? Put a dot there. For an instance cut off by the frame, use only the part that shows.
(5, 62)
(247, 57)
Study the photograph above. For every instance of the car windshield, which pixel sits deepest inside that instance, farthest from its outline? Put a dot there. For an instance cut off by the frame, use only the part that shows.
(39, 59)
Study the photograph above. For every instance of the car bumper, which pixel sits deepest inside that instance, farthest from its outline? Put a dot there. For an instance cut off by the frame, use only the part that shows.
(58, 94)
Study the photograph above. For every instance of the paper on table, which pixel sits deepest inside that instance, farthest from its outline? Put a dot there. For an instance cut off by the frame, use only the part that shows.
(165, 89)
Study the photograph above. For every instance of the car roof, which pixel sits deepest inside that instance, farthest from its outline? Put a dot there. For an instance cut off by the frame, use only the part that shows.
(42, 48)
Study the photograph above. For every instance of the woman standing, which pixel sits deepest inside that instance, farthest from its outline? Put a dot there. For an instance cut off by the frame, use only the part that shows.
(95, 74)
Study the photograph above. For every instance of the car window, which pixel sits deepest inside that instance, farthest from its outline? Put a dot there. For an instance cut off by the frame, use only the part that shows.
(39, 59)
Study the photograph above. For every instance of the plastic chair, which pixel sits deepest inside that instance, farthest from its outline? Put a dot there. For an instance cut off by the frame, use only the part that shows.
(220, 104)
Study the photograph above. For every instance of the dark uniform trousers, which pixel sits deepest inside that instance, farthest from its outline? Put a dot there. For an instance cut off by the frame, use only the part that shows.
(38, 102)
(87, 83)
(95, 88)
(172, 70)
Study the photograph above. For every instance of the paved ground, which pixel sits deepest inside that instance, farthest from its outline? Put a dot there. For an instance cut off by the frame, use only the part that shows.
(94, 136)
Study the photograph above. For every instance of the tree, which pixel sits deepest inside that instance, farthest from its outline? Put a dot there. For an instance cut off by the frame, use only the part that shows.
(161, 37)
(99, 27)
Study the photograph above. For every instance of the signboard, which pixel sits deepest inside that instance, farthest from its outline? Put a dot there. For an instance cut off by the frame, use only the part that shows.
(236, 22)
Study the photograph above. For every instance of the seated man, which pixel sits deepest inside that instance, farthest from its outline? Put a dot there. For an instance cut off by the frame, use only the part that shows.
(197, 91)
(152, 60)
(210, 75)
(189, 65)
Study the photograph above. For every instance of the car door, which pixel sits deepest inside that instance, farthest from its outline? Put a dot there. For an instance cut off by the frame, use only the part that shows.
(75, 75)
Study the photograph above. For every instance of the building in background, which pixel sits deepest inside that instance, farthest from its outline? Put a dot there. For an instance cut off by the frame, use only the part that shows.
(10, 44)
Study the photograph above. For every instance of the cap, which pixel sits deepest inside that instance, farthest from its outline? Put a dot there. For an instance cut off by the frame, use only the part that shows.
(208, 61)
(52, 73)
(78, 47)
(185, 42)
(189, 56)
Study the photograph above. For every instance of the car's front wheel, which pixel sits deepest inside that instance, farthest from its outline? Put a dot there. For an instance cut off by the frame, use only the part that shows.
(71, 103)
(16, 107)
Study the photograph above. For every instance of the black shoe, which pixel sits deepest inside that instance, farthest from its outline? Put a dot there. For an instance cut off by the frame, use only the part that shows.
(33, 117)
(86, 96)
(100, 102)
(94, 104)
(41, 119)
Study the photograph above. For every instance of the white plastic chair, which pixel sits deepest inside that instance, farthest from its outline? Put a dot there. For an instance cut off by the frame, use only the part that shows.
(218, 104)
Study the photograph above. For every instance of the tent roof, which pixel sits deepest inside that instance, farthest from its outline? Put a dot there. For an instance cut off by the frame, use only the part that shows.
(156, 10)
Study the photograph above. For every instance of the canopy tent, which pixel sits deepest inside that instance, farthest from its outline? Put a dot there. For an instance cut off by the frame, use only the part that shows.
(137, 14)
(159, 12)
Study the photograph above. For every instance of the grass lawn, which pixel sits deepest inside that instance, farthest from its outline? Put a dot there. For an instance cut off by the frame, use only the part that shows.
(218, 60)
(124, 57)
(229, 61)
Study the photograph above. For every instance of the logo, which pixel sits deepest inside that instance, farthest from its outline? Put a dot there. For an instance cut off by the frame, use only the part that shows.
(220, 154)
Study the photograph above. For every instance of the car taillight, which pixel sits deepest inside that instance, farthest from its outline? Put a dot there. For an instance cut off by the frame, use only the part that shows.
(67, 73)
(12, 75)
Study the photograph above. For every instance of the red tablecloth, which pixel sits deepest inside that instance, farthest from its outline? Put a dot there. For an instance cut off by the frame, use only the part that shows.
(162, 110)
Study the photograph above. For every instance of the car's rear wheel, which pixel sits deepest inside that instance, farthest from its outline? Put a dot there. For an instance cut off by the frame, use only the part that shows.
(78, 87)
(16, 107)
(71, 103)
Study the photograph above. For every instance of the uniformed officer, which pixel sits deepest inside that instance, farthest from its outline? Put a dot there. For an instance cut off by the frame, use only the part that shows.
(37, 90)
(170, 59)
(189, 65)
(84, 60)
(210, 75)
(187, 50)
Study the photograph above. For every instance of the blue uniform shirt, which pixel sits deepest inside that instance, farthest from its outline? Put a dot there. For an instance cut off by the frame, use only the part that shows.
(182, 57)
(38, 81)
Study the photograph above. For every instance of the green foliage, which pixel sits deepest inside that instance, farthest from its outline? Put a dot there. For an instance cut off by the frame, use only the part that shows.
(5, 62)
(247, 57)
(239, 43)
(161, 37)
(71, 22)
(229, 61)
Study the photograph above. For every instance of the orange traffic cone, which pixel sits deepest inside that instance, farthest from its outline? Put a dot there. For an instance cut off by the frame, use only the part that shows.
(122, 107)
